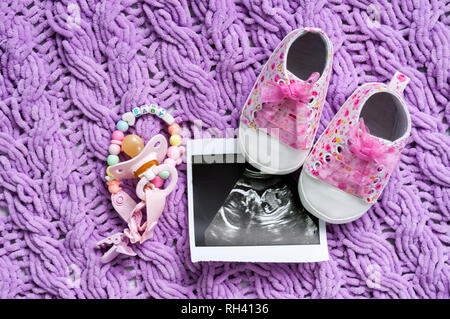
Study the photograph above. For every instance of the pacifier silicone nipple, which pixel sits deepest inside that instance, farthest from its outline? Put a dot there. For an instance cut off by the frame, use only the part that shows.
(132, 145)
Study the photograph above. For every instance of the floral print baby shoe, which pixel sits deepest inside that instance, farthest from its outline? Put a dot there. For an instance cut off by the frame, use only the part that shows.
(353, 159)
(280, 117)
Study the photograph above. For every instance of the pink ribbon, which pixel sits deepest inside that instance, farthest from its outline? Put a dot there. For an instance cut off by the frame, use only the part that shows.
(369, 148)
(134, 224)
(299, 92)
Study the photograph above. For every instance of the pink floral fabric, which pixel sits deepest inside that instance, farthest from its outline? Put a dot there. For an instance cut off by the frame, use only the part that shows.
(346, 156)
(297, 122)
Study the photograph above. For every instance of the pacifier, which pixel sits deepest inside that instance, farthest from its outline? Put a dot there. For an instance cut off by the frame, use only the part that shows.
(149, 164)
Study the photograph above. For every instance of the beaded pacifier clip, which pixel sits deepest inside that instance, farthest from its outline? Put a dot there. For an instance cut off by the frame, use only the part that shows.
(150, 165)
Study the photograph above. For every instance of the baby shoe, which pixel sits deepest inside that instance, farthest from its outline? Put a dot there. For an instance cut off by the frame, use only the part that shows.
(280, 117)
(353, 159)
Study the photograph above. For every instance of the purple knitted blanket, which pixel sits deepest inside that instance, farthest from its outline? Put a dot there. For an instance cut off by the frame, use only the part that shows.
(70, 68)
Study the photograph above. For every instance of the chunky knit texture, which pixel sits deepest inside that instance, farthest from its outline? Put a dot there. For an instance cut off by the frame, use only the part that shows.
(68, 69)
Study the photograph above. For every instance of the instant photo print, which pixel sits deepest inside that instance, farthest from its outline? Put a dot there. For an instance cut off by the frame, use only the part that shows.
(238, 213)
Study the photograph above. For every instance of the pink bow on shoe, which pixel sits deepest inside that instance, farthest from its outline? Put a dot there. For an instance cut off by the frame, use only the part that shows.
(369, 148)
(285, 110)
(299, 92)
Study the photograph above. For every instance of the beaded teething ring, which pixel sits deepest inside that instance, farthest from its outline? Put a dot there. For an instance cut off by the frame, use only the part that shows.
(145, 164)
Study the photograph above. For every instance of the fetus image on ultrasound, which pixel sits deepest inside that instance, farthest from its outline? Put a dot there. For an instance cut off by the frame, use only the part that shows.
(262, 209)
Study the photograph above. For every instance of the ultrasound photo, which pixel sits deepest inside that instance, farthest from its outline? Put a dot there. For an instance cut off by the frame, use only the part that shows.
(238, 213)
(261, 209)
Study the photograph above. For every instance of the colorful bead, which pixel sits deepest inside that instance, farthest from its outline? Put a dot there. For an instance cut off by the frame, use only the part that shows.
(145, 109)
(112, 159)
(175, 140)
(170, 161)
(130, 118)
(108, 172)
(174, 152)
(118, 135)
(114, 186)
(157, 182)
(122, 126)
(153, 108)
(114, 149)
(137, 111)
(174, 129)
(161, 112)
(164, 174)
(116, 142)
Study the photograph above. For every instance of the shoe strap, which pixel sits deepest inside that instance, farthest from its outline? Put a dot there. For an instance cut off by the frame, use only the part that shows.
(398, 82)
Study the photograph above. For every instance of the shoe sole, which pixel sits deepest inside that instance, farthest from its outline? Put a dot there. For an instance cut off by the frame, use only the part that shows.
(285, 152)
(336, 200)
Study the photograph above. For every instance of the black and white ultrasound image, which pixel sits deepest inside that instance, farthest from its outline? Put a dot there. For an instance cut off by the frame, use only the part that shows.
(256, 209)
